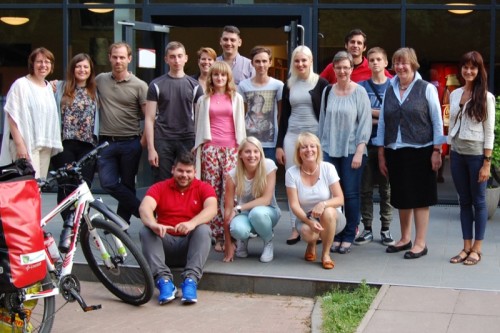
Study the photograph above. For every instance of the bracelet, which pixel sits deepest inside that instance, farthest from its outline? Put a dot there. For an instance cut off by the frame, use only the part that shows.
(324, 204)
(436, 150)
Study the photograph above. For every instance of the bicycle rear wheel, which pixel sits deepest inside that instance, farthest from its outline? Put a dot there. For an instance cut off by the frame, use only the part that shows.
(41, 311)
(130, 279)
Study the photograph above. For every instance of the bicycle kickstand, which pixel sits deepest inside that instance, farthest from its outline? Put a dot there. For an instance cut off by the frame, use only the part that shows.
(79, 299)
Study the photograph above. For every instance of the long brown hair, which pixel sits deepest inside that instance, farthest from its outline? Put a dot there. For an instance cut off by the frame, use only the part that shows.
(70, 86)
(476, 108)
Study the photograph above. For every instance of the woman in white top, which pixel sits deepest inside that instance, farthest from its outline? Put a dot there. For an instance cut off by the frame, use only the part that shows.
(472, 122)
(32, 130)
(315, 197)
(252, 183)
(300, 111)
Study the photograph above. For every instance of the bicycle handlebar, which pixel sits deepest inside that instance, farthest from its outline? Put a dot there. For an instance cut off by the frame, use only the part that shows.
(74, 169)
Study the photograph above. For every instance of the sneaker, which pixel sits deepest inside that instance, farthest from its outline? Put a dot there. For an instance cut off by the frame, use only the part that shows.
(167, 291)
(242, 248)
(365, 237)
(268, 252)
(387, 238)
(189, 291)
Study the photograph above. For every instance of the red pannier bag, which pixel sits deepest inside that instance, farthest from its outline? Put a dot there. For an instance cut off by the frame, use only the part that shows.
(22, 251)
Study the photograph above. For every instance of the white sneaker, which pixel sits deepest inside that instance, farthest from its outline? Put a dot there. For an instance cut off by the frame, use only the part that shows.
(242, 248)
(268, 252)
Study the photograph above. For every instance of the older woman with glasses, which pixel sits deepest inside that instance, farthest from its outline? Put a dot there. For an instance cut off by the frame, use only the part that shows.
(32, 130)
(409, 136)
(345, 125)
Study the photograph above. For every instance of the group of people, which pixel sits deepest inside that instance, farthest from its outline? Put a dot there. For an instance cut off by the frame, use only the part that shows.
(213, 140)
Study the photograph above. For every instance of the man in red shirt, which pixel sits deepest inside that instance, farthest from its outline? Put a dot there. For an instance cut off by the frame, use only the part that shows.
(355, 44)
(175, 213)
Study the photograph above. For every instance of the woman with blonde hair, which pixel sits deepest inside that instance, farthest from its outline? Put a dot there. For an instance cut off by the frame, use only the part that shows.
(252, 183)
(220, 129)
(301, 104)
(315, 197)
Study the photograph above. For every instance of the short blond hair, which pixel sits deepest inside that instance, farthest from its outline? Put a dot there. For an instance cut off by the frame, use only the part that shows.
(301, 140)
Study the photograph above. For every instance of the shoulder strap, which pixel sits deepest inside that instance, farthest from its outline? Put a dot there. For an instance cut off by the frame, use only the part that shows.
(375, 90)
(327, 92)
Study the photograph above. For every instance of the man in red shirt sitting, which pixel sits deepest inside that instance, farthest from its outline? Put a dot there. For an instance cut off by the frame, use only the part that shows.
(179, 234)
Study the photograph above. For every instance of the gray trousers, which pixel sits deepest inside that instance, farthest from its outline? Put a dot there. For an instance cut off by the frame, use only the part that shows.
(190, 252)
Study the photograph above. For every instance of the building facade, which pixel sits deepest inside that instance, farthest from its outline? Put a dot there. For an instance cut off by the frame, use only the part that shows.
(439, 32)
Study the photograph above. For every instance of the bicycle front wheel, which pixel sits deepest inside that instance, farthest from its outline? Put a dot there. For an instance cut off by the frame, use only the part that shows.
(129, 278)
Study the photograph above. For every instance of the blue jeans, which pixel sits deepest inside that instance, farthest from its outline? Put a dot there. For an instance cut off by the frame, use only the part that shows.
(350, 181)
(118, 165)
(259, 220)
(270, 153)
(472, 195)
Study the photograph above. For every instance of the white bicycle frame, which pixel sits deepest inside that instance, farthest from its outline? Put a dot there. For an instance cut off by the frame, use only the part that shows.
(81, 197)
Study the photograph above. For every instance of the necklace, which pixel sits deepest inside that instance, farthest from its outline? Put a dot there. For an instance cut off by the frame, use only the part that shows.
(403, 88)
(310, 173)
(218, 97)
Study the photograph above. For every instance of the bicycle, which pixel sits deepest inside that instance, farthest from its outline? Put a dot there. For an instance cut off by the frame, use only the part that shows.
(111, 254)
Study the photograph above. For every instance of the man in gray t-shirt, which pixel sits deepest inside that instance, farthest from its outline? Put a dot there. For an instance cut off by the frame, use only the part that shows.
(169, 124)
(122, 98)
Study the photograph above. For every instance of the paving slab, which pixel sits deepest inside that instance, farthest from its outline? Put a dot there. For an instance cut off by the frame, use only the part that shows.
(219, 312)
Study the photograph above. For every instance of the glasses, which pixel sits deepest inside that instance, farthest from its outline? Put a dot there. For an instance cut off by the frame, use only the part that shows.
(43, 62)
(398, 64)
(339, 69)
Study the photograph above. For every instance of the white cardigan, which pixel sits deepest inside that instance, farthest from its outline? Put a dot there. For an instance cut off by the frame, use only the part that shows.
(470, 129)
(202, 124)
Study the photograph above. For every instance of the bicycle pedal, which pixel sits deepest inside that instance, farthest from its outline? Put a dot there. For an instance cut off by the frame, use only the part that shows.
(92, 308)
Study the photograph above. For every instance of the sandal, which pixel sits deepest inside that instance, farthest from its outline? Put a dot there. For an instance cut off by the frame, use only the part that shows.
(310, 256)
(458, 258)
(469, 261)
(219, 245)
(328, 264)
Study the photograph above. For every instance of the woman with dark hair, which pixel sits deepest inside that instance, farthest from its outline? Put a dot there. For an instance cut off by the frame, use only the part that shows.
(220, 129)
(409, 136)
(76, 99)
(32, 128)
(472, 124)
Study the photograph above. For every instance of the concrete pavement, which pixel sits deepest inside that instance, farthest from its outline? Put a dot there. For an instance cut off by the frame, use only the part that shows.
(424, 295)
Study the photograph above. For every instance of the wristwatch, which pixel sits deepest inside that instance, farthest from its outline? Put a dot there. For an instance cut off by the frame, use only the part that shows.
(487, 158)
(237, 209)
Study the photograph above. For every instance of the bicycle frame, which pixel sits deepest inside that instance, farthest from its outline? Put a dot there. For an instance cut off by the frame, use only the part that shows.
(83, 200)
